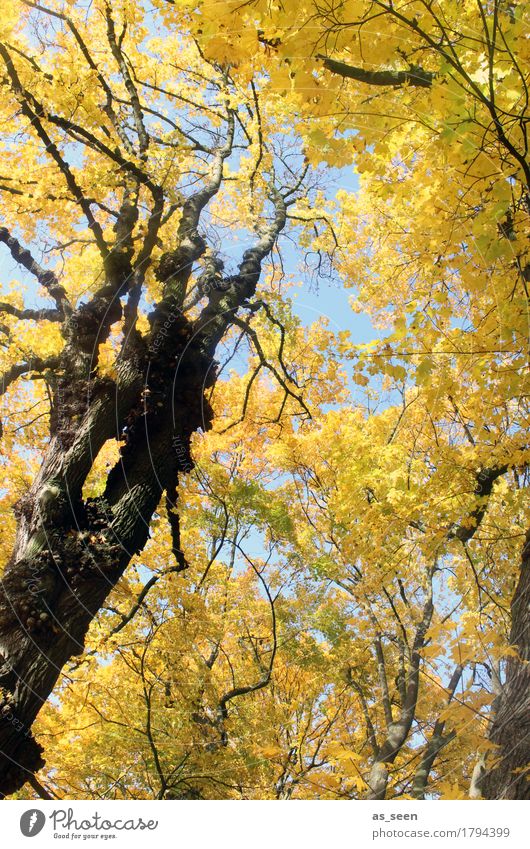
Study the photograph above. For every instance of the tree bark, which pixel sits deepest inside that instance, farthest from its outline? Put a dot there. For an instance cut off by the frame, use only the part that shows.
(69, 554)
(507, 776)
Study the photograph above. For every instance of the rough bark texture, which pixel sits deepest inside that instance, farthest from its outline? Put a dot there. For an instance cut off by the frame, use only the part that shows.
(69, 552)
(508, 775)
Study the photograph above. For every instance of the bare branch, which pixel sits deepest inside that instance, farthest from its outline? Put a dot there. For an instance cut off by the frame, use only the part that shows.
(19, 369)
(414, 76)
(46, 277)
(31, 315)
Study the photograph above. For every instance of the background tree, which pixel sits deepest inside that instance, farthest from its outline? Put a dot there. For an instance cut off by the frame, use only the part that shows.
(430, 101)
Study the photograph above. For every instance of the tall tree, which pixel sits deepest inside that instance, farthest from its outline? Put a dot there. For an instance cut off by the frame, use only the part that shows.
(141, 152)
(430, 100)
(139, 166)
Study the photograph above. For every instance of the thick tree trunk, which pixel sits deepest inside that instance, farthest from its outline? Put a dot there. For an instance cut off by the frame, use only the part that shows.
(508, 775)
(69, 553)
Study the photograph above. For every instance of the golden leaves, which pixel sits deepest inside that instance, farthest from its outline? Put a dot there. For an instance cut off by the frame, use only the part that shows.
(348, 764)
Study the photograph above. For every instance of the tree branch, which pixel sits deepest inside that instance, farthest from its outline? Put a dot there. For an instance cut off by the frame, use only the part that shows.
(46, 277)
(414, 76)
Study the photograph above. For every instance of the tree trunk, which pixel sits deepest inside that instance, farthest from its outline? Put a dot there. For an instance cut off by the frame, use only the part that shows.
(437, 741)
(507, 777)
(398, 731)
(69, 554)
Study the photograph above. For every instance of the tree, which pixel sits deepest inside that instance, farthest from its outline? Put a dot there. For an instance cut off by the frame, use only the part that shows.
(389, 635)
(136, 164)
(143, 149)
(430, 100)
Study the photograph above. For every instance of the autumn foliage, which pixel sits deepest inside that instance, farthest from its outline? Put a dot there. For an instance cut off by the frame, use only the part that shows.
(246, 554)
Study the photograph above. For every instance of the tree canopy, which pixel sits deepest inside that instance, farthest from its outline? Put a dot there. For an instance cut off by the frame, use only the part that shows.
(247, 554)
